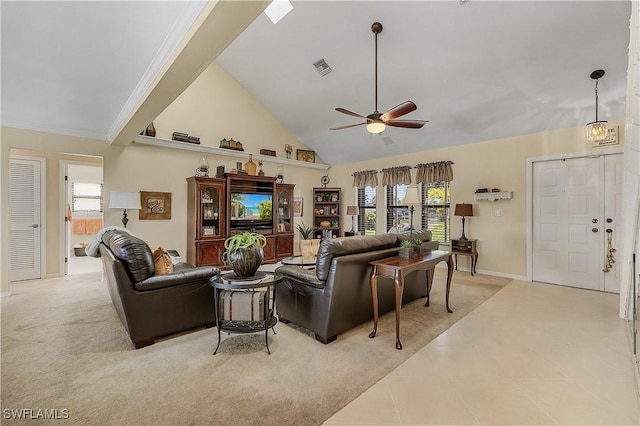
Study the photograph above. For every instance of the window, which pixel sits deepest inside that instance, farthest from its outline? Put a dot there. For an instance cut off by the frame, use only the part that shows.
(367, 210)
(397, 214)
(436, 198)
(86, 198)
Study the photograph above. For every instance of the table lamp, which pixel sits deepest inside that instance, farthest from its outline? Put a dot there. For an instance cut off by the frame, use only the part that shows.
(124, 200)
(411, 199)
(352, 211)
(463, 210)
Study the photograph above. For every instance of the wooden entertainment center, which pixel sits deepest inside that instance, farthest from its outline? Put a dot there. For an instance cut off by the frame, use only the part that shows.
(220, 207)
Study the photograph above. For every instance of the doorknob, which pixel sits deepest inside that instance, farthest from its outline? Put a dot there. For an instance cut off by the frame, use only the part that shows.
(35, 225)
(594, 229)
(609, 220)
(594, 220)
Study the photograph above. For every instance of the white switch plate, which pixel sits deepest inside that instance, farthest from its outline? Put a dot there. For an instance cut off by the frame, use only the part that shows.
(497, 213)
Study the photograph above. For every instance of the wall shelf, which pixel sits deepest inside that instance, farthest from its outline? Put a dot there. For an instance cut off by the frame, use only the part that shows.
(186, 146)
(492, 196)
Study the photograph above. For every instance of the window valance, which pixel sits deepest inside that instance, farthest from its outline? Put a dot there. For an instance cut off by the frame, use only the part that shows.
(440, 171)
(400, 175)
(365, 178)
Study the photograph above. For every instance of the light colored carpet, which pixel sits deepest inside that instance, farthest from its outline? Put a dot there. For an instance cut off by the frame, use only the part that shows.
(64, 347)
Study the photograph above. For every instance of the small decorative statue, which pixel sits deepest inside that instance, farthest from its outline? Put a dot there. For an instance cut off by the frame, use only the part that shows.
(288, 149)
(260, 171)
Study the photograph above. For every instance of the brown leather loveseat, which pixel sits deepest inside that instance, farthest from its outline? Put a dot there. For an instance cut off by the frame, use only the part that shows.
(151, 305)
(336, 297)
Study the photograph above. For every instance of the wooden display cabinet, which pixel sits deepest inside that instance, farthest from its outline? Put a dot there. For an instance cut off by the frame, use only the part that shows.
(283, 213)
(218, 208)
(326, 212)
(206, 216)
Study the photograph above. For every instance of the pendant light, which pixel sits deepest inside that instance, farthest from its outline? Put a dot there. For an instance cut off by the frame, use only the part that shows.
(597, 130)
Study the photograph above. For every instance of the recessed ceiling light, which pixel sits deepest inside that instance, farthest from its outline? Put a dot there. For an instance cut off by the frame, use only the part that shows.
(278, 9)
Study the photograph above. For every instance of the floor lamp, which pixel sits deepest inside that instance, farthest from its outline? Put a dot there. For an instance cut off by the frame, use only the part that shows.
(463, 210)
(352, 211)
(124, 200)
(411, 199)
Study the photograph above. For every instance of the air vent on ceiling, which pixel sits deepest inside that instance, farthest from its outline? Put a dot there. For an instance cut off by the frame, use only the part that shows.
(322, 67)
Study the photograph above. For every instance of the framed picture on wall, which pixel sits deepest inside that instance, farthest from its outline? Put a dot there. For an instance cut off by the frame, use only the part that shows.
(155, 205)
(306, 155)
(297, 206)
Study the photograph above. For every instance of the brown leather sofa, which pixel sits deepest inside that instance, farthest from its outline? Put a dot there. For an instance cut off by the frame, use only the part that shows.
(336, 297)
(151, 305)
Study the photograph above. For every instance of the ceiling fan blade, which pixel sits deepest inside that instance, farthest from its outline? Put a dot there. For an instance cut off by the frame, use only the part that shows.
(346, 127)
(412, 124)
(346, 111)
(399, 111)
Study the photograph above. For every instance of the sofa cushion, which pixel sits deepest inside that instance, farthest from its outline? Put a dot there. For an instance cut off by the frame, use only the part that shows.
(162, 261)
(301, 274)
(335, 247)
(134, 253)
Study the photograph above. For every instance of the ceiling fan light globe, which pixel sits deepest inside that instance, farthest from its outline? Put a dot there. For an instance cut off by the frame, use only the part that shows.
(597, 131)
(375, 127)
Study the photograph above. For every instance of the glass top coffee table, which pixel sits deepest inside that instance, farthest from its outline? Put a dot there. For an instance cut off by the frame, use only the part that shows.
(299, 260)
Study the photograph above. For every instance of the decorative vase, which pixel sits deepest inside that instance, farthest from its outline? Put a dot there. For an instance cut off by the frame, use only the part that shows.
(306, 248)
(151, 131)
(250, 166)
(315, 245)
(245, 262)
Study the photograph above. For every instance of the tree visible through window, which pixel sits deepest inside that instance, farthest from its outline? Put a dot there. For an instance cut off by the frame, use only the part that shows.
(367, 210)
(86, 198)
(397, 214)
(435, 210)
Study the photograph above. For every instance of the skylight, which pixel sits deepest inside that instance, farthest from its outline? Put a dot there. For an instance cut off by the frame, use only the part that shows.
(278, 9)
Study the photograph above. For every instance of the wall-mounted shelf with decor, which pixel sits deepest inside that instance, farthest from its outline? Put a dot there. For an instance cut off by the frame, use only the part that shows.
(185, 146)
(492, 196)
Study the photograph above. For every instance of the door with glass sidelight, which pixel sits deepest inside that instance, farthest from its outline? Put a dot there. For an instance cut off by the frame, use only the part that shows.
(576, 221)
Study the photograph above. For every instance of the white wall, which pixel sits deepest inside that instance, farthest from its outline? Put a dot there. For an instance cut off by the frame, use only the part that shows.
(491, 164)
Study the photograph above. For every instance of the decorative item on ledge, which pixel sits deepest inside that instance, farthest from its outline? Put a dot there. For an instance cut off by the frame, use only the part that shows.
(267, 152)
(306, 155)
(492, 196)
(231, 144)
(288, 149)
(150, 130)
(184, 137)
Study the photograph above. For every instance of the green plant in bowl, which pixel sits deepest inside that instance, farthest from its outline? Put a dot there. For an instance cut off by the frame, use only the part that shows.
(243, 252)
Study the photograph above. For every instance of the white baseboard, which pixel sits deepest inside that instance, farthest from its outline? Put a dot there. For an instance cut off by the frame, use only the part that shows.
(485, 272)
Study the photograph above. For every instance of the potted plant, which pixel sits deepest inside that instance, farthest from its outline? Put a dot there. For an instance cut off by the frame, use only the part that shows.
(306, 244)
(244, 253)
(409, 249)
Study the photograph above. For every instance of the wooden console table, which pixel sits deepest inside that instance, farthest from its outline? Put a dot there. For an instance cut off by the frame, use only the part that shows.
(465, 248)
(397, 268)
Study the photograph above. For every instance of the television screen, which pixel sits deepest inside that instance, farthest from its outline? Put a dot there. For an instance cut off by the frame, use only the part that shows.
(251, 207)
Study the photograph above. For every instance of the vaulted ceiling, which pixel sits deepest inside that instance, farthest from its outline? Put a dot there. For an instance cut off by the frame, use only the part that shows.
(477, 70)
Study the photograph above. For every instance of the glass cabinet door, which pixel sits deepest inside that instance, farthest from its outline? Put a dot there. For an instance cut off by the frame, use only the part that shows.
(210, 211)
(283, 212)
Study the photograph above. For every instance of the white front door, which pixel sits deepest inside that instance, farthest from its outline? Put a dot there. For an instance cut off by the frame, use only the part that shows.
(572, 200)
(25, 219)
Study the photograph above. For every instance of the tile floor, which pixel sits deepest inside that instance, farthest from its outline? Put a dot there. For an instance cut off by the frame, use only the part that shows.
(534, 354)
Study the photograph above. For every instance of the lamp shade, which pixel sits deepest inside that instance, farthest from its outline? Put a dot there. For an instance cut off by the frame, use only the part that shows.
(464, 210)
(412, 196)
(352, 210)
(124, 200)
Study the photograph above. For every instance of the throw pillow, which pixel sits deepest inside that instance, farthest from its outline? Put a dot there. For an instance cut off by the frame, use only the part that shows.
(162, 261)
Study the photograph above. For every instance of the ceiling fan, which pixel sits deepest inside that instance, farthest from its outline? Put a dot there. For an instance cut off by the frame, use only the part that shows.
(376, 122)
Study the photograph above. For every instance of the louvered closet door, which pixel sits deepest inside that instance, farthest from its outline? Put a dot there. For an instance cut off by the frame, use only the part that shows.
(24, 201)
